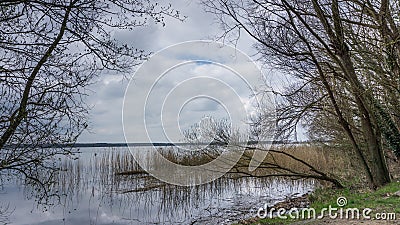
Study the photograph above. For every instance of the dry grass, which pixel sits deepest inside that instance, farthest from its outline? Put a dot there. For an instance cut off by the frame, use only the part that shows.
(322, 158)
(335, 162)
(329, 160)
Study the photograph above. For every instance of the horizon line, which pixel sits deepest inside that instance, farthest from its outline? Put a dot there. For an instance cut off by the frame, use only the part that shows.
(145, 144)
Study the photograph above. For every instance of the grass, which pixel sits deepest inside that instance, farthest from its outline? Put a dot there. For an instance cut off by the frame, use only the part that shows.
(323, 158)
(382, 200)
(327, 159)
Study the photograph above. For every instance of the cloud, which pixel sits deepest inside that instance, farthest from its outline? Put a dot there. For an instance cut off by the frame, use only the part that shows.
(105, 114)
(107, 99)
(170, 92)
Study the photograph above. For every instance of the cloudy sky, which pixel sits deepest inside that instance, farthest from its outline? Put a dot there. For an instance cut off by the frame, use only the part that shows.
(179, 97)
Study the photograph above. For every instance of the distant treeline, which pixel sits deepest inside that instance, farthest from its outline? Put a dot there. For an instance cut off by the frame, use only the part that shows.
(144, 144)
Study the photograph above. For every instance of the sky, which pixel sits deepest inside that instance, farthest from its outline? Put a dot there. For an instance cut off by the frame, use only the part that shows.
(185, 95)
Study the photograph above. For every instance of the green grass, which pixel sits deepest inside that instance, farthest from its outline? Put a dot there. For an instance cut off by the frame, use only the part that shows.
(381, 200)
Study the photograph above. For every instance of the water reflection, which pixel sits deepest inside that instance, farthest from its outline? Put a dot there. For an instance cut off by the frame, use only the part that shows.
(95, 189)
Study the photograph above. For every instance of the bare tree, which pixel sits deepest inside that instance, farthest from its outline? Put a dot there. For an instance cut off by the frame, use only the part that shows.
(50, 52)
(328, 47)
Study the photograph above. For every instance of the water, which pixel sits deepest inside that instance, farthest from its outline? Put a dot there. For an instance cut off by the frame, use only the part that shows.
(88, 191)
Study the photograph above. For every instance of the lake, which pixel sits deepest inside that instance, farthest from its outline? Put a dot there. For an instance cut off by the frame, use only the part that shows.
(90, 191)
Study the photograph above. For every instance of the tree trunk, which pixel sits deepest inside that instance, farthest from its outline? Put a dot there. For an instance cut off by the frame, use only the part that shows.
(369, 126)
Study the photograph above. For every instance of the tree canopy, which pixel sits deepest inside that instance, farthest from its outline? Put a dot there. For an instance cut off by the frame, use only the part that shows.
(345, 59)
(52, 50)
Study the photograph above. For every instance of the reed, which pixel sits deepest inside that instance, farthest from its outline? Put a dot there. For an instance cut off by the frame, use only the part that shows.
(328, 159)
